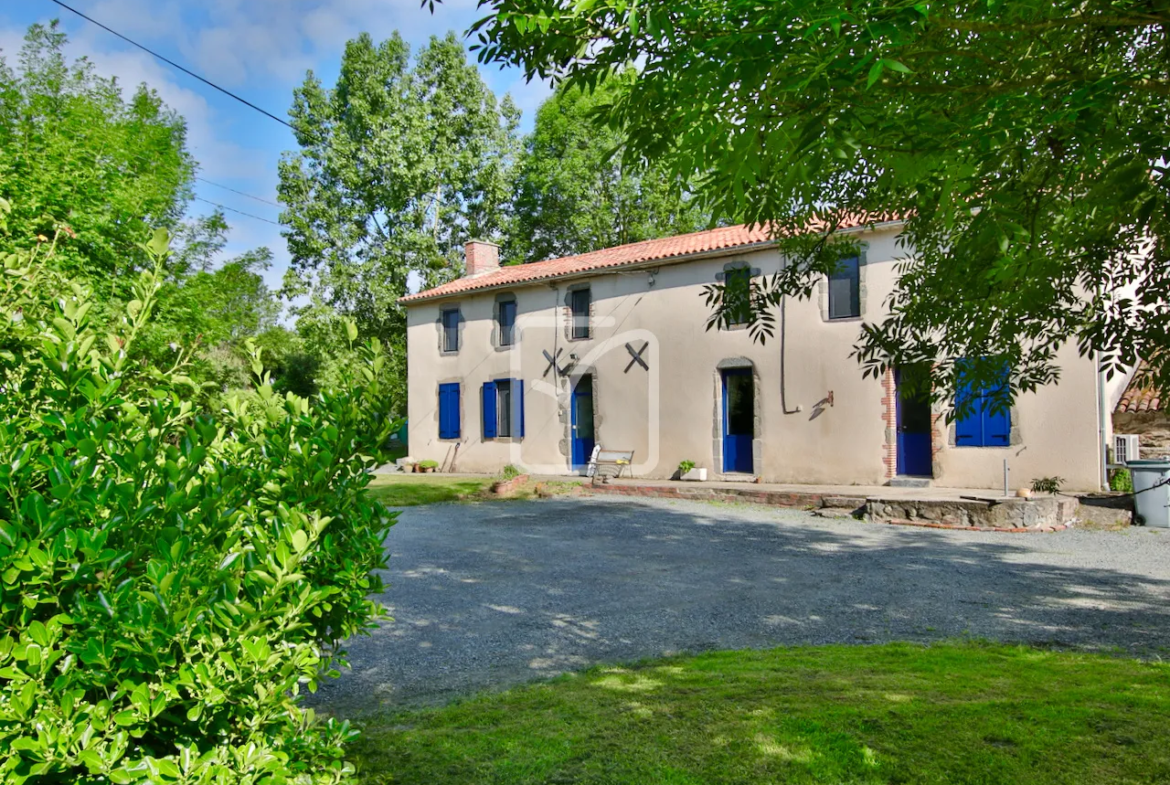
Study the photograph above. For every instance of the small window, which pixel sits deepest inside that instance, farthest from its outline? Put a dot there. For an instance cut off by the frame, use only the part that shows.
(980, 426)
(737, 292)
(845, 290)
(503, 408)
(451, 330)
(579, 301)
(449, 411)
(507, 316)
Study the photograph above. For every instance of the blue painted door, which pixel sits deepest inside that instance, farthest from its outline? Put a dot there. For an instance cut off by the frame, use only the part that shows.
(739, 419)
(582, 411)
(914, 458)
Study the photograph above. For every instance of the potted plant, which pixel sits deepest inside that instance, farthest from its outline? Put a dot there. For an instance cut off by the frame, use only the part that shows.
(688, 472)
(427, 466)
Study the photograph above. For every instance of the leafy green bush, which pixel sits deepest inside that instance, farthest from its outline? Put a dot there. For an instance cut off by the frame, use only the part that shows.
(1047, 484)
(428, 464)
(684, 467)
(510, 472)
(1121, 480)
(170, 582)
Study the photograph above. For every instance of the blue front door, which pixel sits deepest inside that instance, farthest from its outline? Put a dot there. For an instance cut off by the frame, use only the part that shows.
(914, 423)
(739, 419)
(582, 411)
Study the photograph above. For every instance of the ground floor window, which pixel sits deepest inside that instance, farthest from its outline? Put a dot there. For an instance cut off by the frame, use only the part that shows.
(503, 409)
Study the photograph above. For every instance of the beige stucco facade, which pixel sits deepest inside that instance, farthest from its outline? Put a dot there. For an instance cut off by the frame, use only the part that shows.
(817, 420)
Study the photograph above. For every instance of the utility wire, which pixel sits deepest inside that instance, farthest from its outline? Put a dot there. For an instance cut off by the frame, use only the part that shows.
(233, 190)
(234, 210)
(173, 64)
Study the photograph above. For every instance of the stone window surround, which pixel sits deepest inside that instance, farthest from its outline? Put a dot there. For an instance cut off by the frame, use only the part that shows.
(503, 298)
(730, 363)
(458, 330)
(568, 306)
(721, 277)
(862, 289)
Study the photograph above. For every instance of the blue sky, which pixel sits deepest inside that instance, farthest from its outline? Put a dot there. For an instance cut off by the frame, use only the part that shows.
(259, 49)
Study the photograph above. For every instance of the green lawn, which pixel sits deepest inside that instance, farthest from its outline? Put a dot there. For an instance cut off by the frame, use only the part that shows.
(957, 713)
(407, 490)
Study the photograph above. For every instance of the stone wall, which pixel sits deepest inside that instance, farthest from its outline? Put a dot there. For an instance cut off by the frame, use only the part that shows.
(1152, 427)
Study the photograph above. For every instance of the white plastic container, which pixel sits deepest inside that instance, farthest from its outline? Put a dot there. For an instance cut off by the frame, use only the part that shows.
(1151, 500)
(694, 475)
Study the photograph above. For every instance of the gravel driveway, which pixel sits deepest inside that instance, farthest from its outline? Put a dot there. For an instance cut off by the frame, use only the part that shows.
(493, 594)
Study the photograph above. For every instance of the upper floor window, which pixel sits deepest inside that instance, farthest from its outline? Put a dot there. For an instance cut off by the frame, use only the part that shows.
(979, 425)
(579, 302)
(507, 318)
(845, 289)
(451, 330)
(737, 294)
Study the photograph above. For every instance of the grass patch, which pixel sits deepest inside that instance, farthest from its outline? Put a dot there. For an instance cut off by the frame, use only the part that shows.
(900, 713)
(409, 490)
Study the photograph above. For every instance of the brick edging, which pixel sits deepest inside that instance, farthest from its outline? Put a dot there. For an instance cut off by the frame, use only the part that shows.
(508, 486)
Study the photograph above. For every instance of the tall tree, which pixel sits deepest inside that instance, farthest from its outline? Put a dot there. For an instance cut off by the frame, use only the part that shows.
(1024, 143)
(399, 165)
(575, 193)
(77, 154)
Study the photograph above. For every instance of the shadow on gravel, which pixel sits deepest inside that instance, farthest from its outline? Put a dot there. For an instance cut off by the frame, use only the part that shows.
(491, 595)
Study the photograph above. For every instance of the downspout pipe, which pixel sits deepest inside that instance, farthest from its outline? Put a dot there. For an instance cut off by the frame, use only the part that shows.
(1103, 442)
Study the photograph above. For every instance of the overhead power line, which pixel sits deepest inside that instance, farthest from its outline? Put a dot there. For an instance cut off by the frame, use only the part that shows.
(173, 64)
(233, 190)
(234, 210)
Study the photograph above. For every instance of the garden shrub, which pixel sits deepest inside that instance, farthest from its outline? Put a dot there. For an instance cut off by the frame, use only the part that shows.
(170, 582)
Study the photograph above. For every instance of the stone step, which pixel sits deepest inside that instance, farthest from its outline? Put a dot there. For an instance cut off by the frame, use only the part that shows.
(909, 482)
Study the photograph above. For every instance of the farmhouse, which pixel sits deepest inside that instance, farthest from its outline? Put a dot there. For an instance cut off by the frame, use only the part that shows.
(536, 364)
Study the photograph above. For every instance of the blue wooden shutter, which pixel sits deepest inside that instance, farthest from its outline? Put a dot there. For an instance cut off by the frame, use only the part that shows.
(449, 411)
(997, 426)
(969, 426)
(518, 408)
(489, 410)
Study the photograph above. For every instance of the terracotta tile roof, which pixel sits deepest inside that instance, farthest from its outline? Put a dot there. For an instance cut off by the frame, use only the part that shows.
(1138, 397)
(726, 238)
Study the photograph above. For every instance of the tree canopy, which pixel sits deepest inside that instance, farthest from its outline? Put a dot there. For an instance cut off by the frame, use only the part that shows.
(1024, 144)
(574, 192)
(78, 155)
(399, 165)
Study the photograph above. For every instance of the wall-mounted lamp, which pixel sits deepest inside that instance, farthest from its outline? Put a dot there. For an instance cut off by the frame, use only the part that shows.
(830, 397)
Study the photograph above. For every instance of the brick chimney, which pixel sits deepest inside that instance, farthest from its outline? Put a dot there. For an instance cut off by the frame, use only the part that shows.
(481, 257)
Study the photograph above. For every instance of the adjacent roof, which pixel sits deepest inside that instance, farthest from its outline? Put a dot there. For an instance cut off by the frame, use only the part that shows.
(728, 238)
(1138, 397)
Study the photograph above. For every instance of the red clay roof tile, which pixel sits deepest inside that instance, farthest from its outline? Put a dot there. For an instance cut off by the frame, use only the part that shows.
(1138, 397)
(725, 238)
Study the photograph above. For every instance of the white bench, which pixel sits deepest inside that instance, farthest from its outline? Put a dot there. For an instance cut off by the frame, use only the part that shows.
(604, 464)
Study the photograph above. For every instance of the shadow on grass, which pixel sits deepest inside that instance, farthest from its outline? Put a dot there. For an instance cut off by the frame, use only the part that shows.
(898, 713)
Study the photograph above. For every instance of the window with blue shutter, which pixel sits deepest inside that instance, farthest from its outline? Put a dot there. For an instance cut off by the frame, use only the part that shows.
(489, 410)
(980, 426)
(503, 409)
(449, 411)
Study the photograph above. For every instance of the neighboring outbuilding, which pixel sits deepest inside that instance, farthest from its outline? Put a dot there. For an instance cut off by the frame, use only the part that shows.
(536, 364)
(1140, 413)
